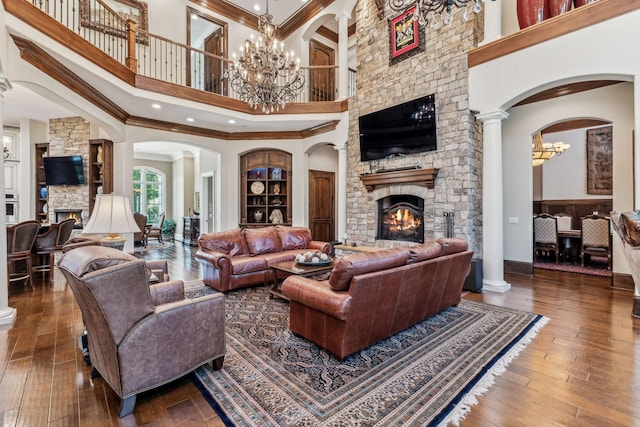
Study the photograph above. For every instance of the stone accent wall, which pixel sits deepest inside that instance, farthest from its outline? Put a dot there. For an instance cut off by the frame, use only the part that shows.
(68, 137)
(440, 69)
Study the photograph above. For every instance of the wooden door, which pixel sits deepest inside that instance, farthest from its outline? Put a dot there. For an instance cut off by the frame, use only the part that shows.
(321, 82)
(322, 205)
(213, 68)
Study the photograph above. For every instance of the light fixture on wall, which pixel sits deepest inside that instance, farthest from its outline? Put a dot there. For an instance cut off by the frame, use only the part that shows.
(425, 7)
(265, 76)
(111, 215)
(543, 151)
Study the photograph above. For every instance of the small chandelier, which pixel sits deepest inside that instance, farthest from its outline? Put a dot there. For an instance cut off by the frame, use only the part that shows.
(543, 151)
(424, 7)
(265, 76)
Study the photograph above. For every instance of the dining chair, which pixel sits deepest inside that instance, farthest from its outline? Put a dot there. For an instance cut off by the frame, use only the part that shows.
(564, 221)
(156, 231)
(20, 240)
(545, 231)
(596, 238)
(50, 242)
(564, 224)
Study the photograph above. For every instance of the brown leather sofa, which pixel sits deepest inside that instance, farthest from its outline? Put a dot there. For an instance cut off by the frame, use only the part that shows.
(141, 336)
(240, 258)
(371, 296)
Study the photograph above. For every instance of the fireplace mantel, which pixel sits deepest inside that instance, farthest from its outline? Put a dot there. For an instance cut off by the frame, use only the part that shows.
(423, 177)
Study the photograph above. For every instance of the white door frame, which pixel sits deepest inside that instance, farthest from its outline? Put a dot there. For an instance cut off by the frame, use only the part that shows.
(205, 226)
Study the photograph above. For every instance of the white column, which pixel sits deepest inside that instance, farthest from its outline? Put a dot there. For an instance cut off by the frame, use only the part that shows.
(342, 191)
(492, 209)
(7, 314)
(636, 149)
(492, 21)
(343, 56)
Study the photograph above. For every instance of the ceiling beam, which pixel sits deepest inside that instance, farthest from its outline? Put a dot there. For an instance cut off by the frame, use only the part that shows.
(573, 125)
(567, 89)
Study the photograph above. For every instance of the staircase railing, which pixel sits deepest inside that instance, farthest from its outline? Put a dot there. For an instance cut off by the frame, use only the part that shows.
(117, 34)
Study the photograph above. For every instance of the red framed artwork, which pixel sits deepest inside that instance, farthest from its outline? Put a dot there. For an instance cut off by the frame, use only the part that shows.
(404, 33)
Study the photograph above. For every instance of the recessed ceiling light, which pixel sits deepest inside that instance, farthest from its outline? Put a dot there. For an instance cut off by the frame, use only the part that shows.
(194, 16)
(190, 119)
(156, 106)
(256, 7)
(232, 121)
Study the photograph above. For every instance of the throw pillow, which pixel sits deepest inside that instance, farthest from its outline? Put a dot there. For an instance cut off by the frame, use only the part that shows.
(355, 264)
(262, 240)
(293, 237)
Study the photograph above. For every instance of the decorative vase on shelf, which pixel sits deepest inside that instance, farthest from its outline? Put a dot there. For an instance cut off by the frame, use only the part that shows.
(532, 12)
(276, 189)
(558, 7)
(100, 155)
(43, 192)
(257, 215)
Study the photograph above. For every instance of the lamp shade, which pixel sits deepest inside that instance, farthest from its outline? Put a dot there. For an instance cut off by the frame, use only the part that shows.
(111, 215)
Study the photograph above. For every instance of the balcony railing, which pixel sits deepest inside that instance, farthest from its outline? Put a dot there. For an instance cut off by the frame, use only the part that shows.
(159, 58)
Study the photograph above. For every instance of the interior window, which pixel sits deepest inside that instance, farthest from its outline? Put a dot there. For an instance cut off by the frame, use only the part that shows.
(149, 192)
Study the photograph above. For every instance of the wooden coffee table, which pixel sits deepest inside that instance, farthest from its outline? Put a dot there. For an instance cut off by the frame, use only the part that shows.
(292, 267)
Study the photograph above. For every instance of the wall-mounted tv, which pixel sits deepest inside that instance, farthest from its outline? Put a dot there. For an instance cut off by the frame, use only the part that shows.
(64, 170)
(407, 128)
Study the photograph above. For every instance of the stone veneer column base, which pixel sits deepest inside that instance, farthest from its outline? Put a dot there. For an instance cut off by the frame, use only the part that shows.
(495, 286)
(7, 315)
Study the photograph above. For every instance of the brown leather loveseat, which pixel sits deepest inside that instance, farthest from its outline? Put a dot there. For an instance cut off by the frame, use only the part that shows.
(240, 258)
(371, 296)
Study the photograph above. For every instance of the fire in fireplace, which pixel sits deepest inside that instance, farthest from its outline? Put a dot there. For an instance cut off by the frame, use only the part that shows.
(62, 214)
(401, 218)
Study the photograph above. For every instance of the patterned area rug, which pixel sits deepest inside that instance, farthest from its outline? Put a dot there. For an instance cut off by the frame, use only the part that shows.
(429, 374)
(596, 267)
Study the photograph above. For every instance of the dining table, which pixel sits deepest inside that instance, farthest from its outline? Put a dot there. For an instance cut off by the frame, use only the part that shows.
(570, 243)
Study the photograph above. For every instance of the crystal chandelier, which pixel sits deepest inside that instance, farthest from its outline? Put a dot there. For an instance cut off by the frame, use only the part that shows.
(265, 76)
(543, 151)
(424, 7)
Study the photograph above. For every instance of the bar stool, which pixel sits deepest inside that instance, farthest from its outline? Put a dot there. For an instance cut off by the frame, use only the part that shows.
(20, 240)
(47, 244)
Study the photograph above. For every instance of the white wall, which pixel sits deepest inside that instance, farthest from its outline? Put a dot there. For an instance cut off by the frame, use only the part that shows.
(613, 103)
(595, 52)
(227, 175)
(573, 162)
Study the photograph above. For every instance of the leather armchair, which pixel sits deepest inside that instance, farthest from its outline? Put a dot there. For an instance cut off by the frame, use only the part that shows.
(141, 336)
(155, 231)
(140, 236)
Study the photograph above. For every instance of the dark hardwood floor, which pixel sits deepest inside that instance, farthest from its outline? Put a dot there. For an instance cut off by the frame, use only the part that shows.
(579, 371)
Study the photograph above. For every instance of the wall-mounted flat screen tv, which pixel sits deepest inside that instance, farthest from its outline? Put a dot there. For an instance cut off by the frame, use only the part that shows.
(403, 129)
(64, 170)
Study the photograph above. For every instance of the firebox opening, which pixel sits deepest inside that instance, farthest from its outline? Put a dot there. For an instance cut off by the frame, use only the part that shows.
(62, 214)
(401, 217)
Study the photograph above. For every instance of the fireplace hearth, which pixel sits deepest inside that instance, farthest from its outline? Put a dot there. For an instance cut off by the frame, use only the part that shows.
(401, 217)
(62, 214)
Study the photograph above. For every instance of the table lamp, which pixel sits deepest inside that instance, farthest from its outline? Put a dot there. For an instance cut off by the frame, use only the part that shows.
(111, 215)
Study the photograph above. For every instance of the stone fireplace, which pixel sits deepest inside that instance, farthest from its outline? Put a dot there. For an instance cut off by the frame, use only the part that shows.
(453, 199)
(401, 217)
